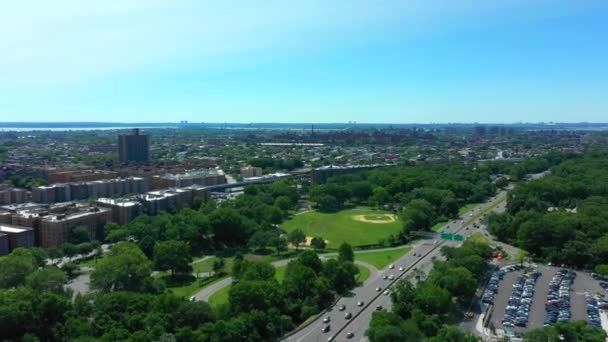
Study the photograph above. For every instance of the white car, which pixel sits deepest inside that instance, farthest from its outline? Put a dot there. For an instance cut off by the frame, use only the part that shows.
(192, 299)
(391, 277)
(378, 289)
(391, 266)
(386, 292)
(401, 269)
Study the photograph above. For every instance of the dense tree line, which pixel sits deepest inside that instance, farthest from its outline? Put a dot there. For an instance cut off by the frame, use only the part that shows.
(251, 220)
(536, 164)
(427, 194)
(276, 163)
(130, 305)
(423, 312)
(562, 217)
(262, 309)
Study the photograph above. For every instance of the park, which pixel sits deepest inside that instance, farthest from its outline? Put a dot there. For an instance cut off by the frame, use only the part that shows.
(357, 227)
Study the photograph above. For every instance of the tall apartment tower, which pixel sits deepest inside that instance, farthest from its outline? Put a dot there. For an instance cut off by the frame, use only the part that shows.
(134, 147)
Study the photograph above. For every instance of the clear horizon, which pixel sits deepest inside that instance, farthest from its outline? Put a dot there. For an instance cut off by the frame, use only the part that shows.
(414, 62)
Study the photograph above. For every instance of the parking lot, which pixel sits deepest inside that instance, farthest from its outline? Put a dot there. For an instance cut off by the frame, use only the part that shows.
(526, 301)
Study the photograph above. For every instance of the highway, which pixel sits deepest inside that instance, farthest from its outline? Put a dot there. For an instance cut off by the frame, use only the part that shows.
(361, 315)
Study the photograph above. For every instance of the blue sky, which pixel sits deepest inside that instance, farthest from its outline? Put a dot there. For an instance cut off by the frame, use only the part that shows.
(406, 61)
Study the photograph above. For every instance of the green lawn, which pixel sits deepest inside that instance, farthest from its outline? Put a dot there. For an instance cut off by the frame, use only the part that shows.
(437, 226)
(187, 286)
(220, 297)
(363, 273)
(383, 258)
(342, 227)
(279, 273)
(467, 208)
(478, 237)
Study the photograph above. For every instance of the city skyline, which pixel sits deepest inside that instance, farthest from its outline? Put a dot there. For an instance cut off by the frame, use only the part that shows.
(395, 62)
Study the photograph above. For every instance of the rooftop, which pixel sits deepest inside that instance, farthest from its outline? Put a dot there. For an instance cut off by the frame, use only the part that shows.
(7, 228)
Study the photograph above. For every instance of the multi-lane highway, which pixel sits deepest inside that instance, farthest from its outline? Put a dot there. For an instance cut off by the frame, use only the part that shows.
(420, 258)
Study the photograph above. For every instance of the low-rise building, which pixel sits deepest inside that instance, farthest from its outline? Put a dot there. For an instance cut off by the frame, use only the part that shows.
(197, 177)
(18, 236)
(251, 171)
(123, 210)
(4, 250)
(55, 229)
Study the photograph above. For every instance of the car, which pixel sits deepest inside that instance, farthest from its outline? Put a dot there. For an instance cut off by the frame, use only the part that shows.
(386, 292)
(348, 315)
(378, 289)
(360, 303)
(326, 319)
(391, 277)
(350, 335)
(341, 307)
(192, 298)
(401, 269)
(326, 328)
(330, 339)
(391, 266)
(378, 307)
(385, 277)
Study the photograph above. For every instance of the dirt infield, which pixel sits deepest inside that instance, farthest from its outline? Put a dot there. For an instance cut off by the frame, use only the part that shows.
(362, 218)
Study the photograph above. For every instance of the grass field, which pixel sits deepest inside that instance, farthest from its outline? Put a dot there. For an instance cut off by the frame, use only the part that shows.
(363, 273)
(467, 208)
(220, 297)
(478, 237)
(341, 227)
(383, 258)
(187, 286)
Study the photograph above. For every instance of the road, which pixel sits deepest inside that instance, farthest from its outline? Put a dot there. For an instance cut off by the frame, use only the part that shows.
(208, 291)
(358, 324)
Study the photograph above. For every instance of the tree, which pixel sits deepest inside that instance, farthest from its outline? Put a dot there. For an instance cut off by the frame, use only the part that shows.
(69, 250)
(345, 253)
(327, 203)
(124, 268)
(49, 279)
(418, 215)
(602, 269)
(79, 234)
(172, 255)
(193, 314)
(296, 237)
(15, 267)
(218, 265)
(283, 203)
(280, 243)
(260, 239)
(317, 243)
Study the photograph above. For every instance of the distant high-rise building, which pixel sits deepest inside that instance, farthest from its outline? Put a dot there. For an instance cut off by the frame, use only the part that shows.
(134, 147)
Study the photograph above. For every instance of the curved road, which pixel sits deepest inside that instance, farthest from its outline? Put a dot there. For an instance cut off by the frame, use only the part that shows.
(208, 291)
